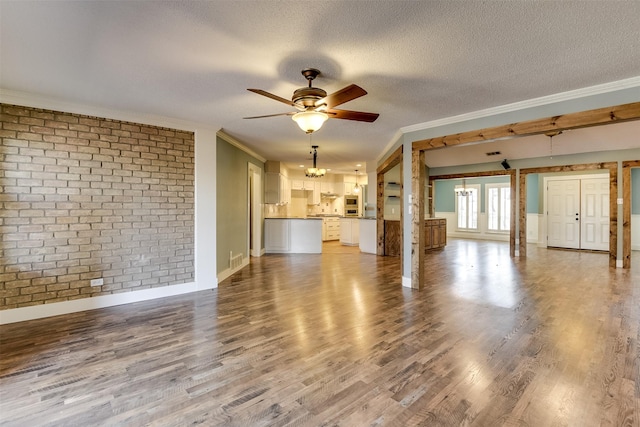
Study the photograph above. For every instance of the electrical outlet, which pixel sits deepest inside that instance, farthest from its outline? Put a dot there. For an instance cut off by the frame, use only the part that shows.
(97, 282)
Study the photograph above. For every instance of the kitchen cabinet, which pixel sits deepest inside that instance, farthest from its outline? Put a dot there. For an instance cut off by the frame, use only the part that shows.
(277, 189)
(435, 235)
(293, 235)
(349, 231)
(313, 193)
(327, 187)
(367, 235)
(348, 188)
(297, 184)
(330, 228)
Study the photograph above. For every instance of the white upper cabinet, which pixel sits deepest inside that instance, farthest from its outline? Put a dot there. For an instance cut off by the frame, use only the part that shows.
(276, 189)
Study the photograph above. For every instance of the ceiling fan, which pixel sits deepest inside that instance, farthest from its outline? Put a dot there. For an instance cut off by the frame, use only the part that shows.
(315, 106)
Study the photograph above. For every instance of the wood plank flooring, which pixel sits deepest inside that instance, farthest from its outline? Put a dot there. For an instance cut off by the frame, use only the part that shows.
(333, 339)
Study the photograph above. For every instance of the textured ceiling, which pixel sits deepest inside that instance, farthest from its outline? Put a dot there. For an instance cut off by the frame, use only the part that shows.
(419, 60)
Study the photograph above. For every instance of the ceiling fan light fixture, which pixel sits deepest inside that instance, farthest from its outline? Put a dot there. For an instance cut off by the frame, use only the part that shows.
(310, 121)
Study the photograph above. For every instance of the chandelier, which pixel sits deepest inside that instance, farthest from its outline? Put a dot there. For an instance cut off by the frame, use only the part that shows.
(314, 172)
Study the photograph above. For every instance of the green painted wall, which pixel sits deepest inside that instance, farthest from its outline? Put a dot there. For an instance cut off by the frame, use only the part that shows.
(445, 196)
(533, 193)
(232, 210)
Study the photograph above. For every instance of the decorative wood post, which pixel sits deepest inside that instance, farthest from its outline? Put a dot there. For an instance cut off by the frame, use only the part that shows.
(417, 220)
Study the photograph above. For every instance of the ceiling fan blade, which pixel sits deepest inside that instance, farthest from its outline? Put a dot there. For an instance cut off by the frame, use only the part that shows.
(270, 115)
(340, 97)
(359, 116)
(272, 96)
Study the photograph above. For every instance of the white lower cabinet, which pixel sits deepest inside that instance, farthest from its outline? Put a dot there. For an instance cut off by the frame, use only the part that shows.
(330, 228)
(349, 231)
(293, 235)
(277, 235)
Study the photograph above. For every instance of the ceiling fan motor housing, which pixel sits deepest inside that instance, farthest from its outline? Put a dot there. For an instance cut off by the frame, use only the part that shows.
(307, 96)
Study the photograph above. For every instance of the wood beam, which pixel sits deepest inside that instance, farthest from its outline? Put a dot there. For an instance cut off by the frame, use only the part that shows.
(571, 168)
(597, 117)
(470, 175)
(394, 159)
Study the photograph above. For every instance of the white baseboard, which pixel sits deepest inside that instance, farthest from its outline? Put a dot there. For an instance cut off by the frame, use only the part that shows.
(619, 263)
(406, 282)
(228, 272)
(55, 309)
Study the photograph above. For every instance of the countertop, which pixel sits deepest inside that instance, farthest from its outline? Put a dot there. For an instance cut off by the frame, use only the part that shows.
(292, 217)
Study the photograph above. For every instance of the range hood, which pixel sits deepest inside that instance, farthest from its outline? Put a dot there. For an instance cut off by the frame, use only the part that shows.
(328, 195)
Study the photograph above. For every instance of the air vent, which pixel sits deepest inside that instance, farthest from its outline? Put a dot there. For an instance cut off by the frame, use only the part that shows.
(494, 153)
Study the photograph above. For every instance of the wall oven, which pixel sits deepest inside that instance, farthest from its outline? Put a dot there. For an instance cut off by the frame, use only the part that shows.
(350, 205)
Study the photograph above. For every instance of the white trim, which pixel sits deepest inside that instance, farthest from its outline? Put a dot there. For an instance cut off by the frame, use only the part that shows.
(619, 263)
(398, 136)
(224, 274)
(406, 282)
(231, 140)
(26, 99)
(66, 307)
(530, 103)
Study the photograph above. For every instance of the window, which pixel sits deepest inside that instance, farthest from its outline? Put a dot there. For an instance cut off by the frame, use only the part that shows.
(498, 207)
(467, 206)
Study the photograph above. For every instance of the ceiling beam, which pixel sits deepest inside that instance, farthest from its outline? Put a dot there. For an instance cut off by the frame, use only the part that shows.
(597, 117)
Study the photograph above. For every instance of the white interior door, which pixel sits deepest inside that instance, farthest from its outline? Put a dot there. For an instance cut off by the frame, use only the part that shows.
(594, 228)
(563, 213)
(578, 213)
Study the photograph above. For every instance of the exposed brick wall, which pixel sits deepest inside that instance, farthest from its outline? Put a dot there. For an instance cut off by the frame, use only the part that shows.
(85, 197)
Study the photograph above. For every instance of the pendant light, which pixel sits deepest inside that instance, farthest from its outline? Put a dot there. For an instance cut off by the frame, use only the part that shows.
(356, 188)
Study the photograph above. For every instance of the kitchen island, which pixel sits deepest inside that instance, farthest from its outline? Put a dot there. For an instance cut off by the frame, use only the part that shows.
(293, 235)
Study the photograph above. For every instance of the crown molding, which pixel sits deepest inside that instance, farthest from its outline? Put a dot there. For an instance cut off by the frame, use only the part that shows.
(633, 82)
(231, 140)
(27, 99)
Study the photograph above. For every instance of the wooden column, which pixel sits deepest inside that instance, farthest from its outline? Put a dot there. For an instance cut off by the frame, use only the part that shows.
(626, 211)
(394, 159)
(417, 220)
(522, 216)
(380, 213)
(613, 215)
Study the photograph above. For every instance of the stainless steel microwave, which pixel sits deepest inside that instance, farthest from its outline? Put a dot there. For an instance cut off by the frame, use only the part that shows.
(350, 205)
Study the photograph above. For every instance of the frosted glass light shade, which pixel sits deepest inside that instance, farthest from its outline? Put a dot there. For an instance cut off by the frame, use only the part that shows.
(310, 121)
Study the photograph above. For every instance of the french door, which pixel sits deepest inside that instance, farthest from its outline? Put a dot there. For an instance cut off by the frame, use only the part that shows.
(578, 213)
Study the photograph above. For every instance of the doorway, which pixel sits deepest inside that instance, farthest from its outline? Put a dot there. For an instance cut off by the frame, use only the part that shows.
(255, 211)
(578, 212)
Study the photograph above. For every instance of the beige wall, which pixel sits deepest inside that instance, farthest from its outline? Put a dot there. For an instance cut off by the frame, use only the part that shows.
(86, 197)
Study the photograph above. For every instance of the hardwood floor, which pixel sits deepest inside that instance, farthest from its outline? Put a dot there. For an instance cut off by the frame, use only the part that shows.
(333, 339)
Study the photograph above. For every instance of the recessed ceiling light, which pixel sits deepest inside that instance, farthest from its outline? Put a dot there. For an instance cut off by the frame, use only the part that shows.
(358, 165)
(301, 166)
